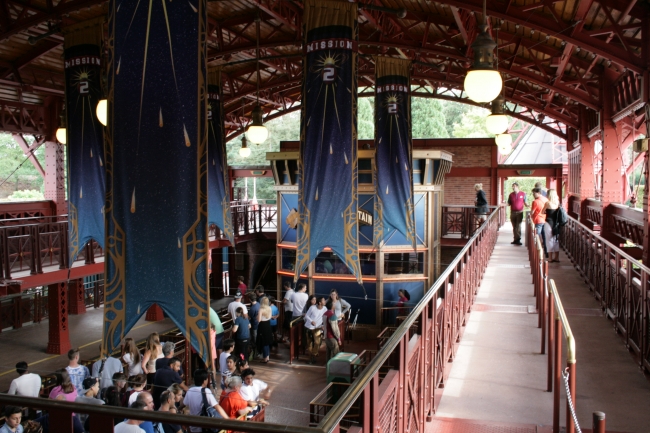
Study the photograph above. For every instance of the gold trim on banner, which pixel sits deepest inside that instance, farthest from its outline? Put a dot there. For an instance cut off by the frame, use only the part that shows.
(195, 250)
(391, 66)
(320, 13)
(115, 242)
(87, 32)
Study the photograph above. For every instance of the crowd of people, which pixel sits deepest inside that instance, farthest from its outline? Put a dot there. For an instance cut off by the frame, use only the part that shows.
(153, 379)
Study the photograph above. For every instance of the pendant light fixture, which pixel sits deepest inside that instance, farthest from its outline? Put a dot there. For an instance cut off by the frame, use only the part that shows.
(257, 132)
(503, 140)
(102, 111)
(483, 83)
(244, 150)
(497, 122)
(62, 132)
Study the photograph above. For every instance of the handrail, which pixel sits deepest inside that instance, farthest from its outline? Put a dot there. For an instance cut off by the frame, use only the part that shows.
(562, 326)
(568, 335)
(334, 416)
(612, 246)
(107, 413)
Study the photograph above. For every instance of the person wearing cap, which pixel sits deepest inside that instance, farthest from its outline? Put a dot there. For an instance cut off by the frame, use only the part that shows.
(232, 307)
(517, 203)
(89, 396)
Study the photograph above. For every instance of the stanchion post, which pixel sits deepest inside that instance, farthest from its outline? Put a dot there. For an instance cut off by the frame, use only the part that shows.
(570, 424)
(598, 422)
(543, 304)
(551, 342)
(558, 376)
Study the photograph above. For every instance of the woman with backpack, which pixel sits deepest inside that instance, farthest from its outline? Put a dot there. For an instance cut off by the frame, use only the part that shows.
(552, 226)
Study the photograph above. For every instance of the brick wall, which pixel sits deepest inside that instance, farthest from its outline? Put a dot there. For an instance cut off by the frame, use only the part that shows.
(460, 190)
(469, 156)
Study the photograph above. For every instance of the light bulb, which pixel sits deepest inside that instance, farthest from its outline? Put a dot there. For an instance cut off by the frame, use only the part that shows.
(102, 111)
(62, 135)
(483, 85)
(244, 152)
(496, 123)
(505, 150)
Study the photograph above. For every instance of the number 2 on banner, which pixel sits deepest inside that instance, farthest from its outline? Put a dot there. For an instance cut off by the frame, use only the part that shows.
(329, 73)
(392, 108)
(83, 87)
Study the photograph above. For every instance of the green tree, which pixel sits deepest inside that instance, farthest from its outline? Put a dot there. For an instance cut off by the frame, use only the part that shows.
(428, 118)
(13, 175)
(366, 119)
(453, 114)
(472, 124)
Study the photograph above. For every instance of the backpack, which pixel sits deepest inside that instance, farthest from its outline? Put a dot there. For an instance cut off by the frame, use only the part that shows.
(562, 217)
(209, 411)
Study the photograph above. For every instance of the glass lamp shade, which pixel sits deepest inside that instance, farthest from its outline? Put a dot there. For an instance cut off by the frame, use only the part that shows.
(503, 140)
(483, 85)
(505, 150)
(496, 123)
(102, 111)
(62, 135)
(257, 134)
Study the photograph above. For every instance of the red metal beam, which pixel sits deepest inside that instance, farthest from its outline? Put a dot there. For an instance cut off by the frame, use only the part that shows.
(54, 14)
(42, 48)
(29, 151)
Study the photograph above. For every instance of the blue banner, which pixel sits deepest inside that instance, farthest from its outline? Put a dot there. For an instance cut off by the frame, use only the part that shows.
(156, 162)
(218, 188)
(85, 141)
(393, 154)
(328, 146)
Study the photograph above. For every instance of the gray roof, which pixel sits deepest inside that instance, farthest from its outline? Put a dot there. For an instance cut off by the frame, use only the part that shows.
(538, 147)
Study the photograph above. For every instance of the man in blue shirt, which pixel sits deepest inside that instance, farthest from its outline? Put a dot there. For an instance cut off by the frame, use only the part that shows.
(253, 311)
(164, 378)
(241, 332)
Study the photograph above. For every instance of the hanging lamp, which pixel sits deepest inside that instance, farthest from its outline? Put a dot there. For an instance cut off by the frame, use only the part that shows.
(244, 150)
(62, 132)
(503, 140)
(483, 83)
(497, 122)
(102, 111)
(257, 133)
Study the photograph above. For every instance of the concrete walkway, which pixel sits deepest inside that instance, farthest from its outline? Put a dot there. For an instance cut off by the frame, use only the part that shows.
(499, 375)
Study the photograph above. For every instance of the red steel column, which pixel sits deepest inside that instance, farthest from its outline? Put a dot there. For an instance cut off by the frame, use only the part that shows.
(55, 176)
(77, 297)
(587, 181)
(612, 151)
(154, 314)
(59, 335)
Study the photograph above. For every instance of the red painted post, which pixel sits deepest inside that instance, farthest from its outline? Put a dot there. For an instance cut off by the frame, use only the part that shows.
(570, 425)
(598, 422)
(154, 314)
(101, 423)
(62, 419)
(543, 304)
(558, 376)
(77, 296)
(551, 343)
(59, 334)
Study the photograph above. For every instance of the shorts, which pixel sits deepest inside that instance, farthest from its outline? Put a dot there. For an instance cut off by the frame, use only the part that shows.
(219, 341)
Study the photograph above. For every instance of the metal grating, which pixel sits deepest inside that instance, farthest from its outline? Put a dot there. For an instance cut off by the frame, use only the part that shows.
(387, 418)
(501, 308)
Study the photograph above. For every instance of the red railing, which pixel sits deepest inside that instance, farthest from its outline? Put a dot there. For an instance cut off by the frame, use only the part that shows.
(618, 281)
(31, 243)
(395, 391)
(463, 220)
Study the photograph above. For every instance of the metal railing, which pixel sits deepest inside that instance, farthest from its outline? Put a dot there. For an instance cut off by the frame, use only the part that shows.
(394, 392)
(618, 281)
(558, 325)
(463, 221)
(32, 243)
